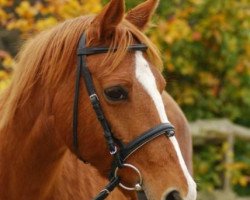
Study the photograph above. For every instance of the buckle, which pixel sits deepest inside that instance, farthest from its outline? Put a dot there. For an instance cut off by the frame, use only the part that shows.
(105, 191)
(93, 97)
(114, 152)
(170, 133)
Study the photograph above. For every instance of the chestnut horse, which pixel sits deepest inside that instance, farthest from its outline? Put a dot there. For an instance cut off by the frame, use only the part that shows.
(37, 158)
(183, 136)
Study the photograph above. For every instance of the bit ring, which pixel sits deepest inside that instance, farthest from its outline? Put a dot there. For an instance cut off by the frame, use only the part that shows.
(138, 186)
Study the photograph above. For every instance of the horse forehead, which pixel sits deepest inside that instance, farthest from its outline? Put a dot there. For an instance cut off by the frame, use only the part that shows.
(135, 64)
(147, 79)
(124, 69)
(146, 73)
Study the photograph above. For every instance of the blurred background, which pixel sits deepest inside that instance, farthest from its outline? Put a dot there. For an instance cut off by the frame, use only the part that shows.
(205, 45)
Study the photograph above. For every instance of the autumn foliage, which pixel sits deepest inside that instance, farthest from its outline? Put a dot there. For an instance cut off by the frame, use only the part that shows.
(30, 17)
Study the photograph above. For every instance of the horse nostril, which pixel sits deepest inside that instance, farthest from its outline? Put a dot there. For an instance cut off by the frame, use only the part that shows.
(174, 195)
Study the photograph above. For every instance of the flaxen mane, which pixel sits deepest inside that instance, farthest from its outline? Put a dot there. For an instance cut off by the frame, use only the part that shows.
(51, 56)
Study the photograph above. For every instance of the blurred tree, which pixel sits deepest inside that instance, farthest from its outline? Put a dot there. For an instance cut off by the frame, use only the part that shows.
(21, 19)
(241, 168)
(207, 168)
(206, 49)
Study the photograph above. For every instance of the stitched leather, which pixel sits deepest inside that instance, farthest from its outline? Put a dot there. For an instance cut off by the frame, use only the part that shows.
(97, 50)
(165, 128)
(109, 188)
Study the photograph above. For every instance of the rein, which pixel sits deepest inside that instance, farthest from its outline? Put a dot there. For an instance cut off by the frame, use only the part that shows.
(118, 151)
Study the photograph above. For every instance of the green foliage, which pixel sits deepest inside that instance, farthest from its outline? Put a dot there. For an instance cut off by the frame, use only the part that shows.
(241, 172)
(129, 3)
(206, 48)
(208, 167)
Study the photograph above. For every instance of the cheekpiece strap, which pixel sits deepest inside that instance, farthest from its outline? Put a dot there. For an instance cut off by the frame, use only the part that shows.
(86, 75)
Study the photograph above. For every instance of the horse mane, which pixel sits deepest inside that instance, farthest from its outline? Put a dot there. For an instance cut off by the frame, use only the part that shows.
(48, 58)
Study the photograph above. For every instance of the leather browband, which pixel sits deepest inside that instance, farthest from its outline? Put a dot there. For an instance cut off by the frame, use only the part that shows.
(97, 50)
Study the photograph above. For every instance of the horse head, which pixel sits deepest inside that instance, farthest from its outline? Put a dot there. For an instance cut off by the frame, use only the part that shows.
(128, 84)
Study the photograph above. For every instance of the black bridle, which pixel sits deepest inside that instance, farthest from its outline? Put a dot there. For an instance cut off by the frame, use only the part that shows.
(119, 151)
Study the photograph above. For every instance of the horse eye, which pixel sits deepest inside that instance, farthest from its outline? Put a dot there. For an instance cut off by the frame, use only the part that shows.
(116, 93)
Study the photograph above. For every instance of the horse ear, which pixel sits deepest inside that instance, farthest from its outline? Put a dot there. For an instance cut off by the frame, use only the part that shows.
(109, 18)
(141, 14)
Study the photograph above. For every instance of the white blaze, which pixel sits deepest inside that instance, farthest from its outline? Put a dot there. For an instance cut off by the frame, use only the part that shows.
(146, 78)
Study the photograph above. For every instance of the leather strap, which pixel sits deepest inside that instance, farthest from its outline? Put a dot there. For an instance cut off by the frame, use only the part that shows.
(109, 188)
(94, 98)
(165, 128)
(98, 50)
(124, 151)
(82, 52)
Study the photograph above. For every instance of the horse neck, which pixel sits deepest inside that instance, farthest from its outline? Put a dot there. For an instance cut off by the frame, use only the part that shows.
(31, 151)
